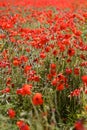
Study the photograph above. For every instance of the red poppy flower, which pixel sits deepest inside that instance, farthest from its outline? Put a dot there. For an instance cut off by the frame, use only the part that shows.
(36, 78)
(82, 57)
(22, 125)
(68, 71)
(11, 113)
(84, 78)
(55, 52)
(16, 62)
(53, 66)
(76, 71)
(60, 87)
(27, 68)
(71, 52)
(42, 55)
(77, 33)
(61, 77)
(49, 76)
(6, 90)
(25, 90)
(19, 91)
(48, 48)
(23, 58)
(76, 92)
(62, 47)
(79, 125)
(37, 99)
(27, 50)
(55, 81)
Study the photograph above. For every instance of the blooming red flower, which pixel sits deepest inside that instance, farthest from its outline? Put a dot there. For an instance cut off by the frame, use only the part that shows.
(36, 78)
(53, 66)
(27, 68)
(68, 71)
(47, 49)
(11, 113)
(71, 52)
(24, 58)
(79, 125)
(42, 55)
(25, 90)
(55, 52)
(76, 92)
(55, 81)
(37, 99)
(62, 47)
(27, 50)
(61, 77)
(77, 33)
(82, 57)
(84, 78)
(49, 76)
(6, 90)
(22, 125)
(60, 87)
(16, 62)
(76, 71)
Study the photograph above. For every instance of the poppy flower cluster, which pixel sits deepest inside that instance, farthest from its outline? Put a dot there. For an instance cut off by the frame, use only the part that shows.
(43, 65)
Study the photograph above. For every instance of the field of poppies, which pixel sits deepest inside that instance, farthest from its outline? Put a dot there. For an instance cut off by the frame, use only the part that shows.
(43, 65)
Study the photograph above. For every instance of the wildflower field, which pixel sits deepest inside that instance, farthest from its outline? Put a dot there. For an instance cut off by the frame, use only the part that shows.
(43, 65)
